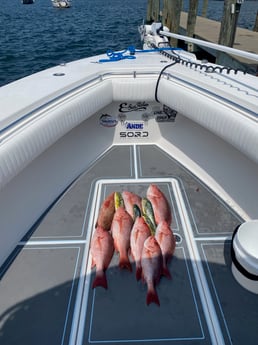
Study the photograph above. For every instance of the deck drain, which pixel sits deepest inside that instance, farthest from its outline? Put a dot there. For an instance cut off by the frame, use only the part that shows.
(178, 238)
(59, 74)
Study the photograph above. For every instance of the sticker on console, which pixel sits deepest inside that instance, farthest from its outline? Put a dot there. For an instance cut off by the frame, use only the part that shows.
(134, 129)
(106, 120)
(129, 107)
(165, 115)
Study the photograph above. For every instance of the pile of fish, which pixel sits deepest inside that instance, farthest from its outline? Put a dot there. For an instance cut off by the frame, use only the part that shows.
(138, 227)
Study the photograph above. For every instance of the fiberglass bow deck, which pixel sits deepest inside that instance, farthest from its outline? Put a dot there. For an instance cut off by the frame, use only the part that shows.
(71, 135)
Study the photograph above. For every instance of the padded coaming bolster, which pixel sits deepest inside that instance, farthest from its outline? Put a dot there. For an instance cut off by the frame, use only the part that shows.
(224, 120)
(20, 148)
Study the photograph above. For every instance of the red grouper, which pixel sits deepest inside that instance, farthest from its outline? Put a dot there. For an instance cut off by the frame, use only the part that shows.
(106, 212)
(121, 230)
(160, 204)
(102, 250)
(151, 263)
(166, 239)
(140, 232)
(131, 199)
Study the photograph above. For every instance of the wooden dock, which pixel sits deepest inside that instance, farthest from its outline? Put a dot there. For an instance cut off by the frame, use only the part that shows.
(208, 30)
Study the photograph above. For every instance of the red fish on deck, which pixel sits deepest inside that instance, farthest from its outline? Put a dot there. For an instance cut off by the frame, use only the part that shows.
(121, 230)
(166, 239)
(160, 205)
(106, 212)
(140, 232)
(102, 249)
(151, 263)
(131, 199)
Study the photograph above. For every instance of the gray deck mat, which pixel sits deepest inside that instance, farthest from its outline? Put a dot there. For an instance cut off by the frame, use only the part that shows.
(46, 294)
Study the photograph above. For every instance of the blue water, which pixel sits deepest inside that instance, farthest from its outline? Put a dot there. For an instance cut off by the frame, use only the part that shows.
(38, 36)
(247, 14)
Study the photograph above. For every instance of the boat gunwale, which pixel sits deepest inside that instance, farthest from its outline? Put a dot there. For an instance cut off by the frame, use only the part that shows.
(70, 92)
(10, 128)
(245, 111)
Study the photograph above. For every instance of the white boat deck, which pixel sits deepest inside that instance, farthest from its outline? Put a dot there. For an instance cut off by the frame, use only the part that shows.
(46, 282)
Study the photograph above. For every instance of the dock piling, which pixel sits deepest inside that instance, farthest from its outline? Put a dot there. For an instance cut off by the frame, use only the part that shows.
(228, 25)
(191, 21)
(229, 22)
(204, 8)
(171, 17)
(153, 11)
(256, 23)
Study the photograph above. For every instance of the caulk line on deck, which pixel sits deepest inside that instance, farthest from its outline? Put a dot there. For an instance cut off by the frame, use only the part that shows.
(51, 242)
(213, 238)
(143, 340)
(76, 334)
(135, 161)
(213, 285)
(207, 304)
(81, 304)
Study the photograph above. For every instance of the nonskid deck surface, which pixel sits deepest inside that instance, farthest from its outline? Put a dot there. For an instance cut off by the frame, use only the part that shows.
(46, 294)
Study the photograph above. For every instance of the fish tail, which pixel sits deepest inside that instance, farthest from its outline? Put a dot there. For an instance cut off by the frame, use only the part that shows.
(152, 297)
(100, 280)
(165, 272)
(125, 263)
(138, 272)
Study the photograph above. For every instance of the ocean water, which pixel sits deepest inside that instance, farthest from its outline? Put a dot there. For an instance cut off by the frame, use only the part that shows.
(38, 36)
(247, 13)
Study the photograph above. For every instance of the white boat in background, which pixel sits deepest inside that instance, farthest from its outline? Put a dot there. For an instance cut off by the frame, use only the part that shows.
(61, 3)
(27, 2)
(72, 134)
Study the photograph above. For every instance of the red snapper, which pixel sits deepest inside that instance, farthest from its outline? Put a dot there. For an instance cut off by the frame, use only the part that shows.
(151, 263)
(106, 212)
(140, 232)
(121, 230)
(166, 239)
(160, 204)
(102, 249)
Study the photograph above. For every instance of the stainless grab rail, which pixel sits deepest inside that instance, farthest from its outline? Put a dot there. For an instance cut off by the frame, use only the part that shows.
(225, 49)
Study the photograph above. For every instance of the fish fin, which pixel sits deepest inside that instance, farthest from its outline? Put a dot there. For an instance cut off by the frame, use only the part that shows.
(115, 246)
(100, 280)
(152, 297)
(92, 263)
(138, 273)
(165, 272)
(125, 263)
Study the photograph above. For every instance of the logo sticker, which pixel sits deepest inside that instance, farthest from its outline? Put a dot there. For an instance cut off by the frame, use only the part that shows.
(126, 108)
(107, 120)
(134, 129)
(134, 134)
(166, 114)
(134, 125)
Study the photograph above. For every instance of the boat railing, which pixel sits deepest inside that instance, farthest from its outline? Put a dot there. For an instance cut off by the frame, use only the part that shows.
(218, 47)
